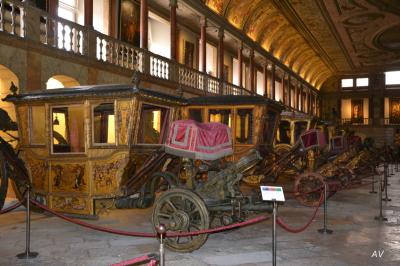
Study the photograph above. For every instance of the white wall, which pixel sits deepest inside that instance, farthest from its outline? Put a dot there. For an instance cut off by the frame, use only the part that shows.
(235, 76)
(211, 63)
(278, 91)
(260, 83)
(346, 109)
(159, 36)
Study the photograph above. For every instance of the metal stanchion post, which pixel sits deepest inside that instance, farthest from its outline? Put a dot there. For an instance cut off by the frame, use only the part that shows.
(381, 217)
(325, 230)
(274, 211)
(28, 254)
(161, 230)
(373, 185)
(385, 184)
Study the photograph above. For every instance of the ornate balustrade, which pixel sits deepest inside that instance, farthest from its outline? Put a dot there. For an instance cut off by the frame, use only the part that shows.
(27, 22)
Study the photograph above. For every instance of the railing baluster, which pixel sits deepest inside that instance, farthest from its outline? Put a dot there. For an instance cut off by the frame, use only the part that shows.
(2, 16)
(78, 41)
(12, 18)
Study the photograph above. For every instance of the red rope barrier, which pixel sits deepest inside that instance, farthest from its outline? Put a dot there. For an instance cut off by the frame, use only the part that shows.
(11, 208)
(282, 224)
(140, 234)
(144, 258)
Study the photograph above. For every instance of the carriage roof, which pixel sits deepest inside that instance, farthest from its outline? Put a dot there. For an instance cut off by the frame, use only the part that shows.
(129, 90)
(95, 91)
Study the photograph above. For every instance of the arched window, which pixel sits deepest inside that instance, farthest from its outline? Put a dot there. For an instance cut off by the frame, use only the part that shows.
(61, 81)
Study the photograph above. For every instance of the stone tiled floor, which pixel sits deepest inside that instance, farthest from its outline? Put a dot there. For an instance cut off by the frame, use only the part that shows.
(351, 215)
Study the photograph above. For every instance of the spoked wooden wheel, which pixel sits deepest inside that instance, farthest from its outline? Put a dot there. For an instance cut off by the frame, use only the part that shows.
(3, 184)
(182, 210)
(307, 188)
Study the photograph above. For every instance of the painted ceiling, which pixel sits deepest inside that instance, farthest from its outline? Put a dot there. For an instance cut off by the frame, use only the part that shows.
(320, 39)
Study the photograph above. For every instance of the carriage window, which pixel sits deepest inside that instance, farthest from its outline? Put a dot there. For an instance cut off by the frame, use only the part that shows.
(37, 127)
(196, 115)
(283, 134)
(153, 124)
(68, 129)
(244, 126)
(221, 116)
(299, 128)
(104, 123)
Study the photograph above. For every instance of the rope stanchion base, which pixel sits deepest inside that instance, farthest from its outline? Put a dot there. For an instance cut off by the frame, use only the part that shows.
(27, 255)
(325, 231)
(381, 218)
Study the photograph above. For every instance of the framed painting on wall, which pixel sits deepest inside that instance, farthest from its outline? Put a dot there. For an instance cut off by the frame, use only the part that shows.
(357, 115)
(394, 111)
(226, 73)
(188, 53)
(129, 22)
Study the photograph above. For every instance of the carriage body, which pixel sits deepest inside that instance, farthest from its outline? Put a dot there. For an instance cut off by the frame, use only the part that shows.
(79, 144)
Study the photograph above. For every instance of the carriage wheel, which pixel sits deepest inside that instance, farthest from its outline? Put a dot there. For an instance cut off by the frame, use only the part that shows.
(3, 184)
(182, 210)
(306, 188)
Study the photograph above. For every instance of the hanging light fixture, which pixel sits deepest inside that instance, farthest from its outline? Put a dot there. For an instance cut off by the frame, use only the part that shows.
(56, 122)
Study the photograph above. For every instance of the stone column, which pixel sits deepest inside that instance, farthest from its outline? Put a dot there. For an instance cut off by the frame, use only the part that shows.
(174, 33)
(251, 66)
(289, 91)
(89, 13)
(203, 44)
(273, 69)
(240, 64)
(144, 24)
(296, 95)
(284, 89)
(220, 66)
(53, 7)
(267, 93)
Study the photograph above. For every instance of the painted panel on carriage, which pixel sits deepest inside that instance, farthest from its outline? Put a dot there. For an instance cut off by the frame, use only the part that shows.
(70, 204)
(107, 175)
(69, 178)
(124, 109)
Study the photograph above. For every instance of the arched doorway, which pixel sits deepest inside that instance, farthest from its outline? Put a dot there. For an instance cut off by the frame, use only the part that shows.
(61, 81)
(6, 78)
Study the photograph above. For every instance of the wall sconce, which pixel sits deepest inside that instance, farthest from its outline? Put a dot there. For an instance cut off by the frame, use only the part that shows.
(56, 122)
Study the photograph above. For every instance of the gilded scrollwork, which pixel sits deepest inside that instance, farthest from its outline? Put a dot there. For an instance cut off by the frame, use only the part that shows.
(106, 176)
(22, 112)
(39, 174)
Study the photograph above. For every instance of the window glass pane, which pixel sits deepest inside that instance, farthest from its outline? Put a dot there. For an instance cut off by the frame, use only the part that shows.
(244, 129)
(346, 83)
(68, 129)
(362, 82)
(392, 78)
(283, 134)
(104, 123)
(153, 124)
(38, 131)
(71, 3)
(220, 116)
(196, 115)
(299, 128)
(67, 14)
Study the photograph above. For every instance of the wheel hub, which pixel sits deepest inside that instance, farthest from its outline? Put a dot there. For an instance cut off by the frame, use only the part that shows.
(180, 221)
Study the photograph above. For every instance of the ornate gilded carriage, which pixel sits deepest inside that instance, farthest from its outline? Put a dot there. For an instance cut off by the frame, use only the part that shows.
(79, 143)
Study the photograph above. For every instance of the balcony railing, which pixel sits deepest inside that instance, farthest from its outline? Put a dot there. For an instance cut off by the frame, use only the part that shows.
(391, 121)
(28, 22)
(355, 121)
